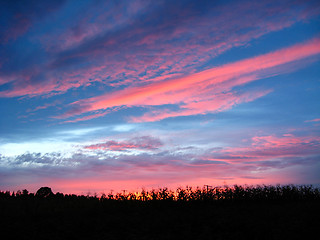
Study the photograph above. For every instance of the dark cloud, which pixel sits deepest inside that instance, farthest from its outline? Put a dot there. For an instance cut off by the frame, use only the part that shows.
(143, 143)
(207, 162)
(16, 17)
(285, 162)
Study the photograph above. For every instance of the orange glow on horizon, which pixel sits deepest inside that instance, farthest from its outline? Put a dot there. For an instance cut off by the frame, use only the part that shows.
(91, 187)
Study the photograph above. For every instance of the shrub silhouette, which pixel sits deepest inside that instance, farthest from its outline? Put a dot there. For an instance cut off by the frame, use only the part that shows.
(44, 192)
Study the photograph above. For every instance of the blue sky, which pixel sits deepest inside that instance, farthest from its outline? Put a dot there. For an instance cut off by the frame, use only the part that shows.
(99, 95)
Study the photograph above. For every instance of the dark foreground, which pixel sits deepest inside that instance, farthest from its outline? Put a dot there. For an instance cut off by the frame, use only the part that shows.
(294, 214)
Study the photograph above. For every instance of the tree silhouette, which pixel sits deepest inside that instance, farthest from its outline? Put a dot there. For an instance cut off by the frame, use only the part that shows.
(44, 192)
(25, 192)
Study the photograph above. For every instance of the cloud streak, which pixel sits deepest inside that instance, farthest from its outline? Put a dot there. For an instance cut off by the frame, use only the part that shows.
(203, 92)
(313, 120)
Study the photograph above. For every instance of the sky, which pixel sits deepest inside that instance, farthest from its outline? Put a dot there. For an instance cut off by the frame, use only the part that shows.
(99, 96)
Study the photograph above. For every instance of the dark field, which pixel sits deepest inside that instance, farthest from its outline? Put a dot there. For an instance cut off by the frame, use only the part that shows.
(262, 212)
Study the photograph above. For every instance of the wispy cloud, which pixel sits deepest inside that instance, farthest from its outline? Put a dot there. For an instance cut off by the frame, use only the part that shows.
(203, 92)
(138, 44)
(313, 120)
(273, 147)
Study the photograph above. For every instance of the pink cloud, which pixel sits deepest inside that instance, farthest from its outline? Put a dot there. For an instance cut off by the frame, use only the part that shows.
(273, 147)
(314, 120)
(86, 118)
(115, 61)
(203, 88)
(218, 103)
(45, 106)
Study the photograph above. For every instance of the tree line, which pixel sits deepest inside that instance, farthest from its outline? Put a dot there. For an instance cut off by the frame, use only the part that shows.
(206, 193)
(236, 212)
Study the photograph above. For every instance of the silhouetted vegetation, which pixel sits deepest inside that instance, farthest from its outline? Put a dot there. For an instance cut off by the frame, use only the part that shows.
(238, 212)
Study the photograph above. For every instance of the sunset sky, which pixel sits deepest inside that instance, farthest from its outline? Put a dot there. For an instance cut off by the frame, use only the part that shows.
(101, 95)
